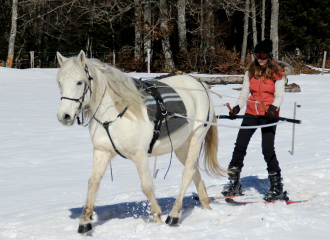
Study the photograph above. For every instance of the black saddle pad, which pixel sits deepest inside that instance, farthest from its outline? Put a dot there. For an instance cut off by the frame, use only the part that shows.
(173, 104)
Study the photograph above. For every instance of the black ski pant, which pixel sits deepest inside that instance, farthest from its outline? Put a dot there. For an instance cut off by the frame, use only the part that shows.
(268, 140)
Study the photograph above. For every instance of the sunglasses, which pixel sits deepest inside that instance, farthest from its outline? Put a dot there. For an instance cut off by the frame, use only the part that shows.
(262, 56)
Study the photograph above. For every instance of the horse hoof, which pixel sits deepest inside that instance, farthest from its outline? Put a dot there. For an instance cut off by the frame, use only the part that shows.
(172, 221)
(85, 228)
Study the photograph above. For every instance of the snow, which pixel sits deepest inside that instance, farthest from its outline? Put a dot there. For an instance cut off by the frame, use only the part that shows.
(45, 167)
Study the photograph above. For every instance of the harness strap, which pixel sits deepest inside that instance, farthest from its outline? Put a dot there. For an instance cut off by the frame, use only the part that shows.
(77, 99)
(106, 127)
(160, 115)
(82, 97)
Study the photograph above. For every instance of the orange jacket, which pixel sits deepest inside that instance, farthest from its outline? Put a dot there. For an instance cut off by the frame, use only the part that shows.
(253, 89)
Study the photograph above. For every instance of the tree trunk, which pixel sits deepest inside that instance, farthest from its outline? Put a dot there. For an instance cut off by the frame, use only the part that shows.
(274, 28)
(263, 19)
(245, 34)
(147, 29)
(138, 34)
(209, 36)
(207, 43)
(89, 49)
(201, 27)
(182, 26)
(254, 23)
(13, 32)
(165, 37)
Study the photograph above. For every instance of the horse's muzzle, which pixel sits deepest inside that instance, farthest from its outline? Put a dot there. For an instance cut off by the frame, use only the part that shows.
(65, 119)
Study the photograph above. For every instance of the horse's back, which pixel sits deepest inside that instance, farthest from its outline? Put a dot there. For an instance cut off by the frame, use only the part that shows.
(183, 81)
(194, 94)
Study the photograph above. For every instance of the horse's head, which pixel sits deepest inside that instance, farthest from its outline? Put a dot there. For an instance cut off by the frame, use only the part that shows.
(74, 80)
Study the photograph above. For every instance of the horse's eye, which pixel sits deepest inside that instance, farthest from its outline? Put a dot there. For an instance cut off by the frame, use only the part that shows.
(80, 82)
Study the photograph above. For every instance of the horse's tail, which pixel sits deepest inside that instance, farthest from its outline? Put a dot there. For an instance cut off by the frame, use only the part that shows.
(211, 151)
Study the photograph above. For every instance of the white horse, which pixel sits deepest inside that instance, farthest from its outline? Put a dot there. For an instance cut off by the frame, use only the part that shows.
(105, 94)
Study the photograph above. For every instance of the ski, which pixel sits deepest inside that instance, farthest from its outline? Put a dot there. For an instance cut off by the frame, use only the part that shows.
(195, 197)
(240, 203)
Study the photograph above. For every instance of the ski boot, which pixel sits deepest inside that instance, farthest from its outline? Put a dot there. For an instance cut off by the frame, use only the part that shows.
(233, 187)
(276, 188)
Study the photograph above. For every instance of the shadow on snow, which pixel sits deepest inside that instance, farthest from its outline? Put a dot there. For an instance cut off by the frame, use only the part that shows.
(140, 209)
(260, 185)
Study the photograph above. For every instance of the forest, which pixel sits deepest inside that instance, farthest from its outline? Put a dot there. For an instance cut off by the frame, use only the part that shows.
(205, 36)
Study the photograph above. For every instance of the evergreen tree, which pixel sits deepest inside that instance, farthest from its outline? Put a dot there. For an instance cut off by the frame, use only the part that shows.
(304, 24)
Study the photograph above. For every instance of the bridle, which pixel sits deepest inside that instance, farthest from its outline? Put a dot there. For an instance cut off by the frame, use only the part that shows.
(82, 98)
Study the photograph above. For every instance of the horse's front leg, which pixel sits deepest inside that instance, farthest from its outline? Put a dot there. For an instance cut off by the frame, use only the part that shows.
(101, 161)
(142, 165)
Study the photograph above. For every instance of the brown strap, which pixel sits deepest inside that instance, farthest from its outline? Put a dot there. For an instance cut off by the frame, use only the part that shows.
(228, 106)
(264, 107)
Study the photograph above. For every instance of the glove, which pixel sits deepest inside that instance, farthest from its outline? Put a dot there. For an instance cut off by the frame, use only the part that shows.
(232, 115)
(271, 112)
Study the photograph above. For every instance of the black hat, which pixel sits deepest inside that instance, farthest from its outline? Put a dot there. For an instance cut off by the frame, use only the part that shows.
(265, 46)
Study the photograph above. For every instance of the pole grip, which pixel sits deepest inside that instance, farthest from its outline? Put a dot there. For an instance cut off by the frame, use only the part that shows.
(228, 106)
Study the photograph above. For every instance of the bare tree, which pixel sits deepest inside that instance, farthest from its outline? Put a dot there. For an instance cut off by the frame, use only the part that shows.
(254, 23)
(208, 26)
(230, 6)
(245, 34)
(263, 19)
(274, 28)
(182, 26)
(164, 18)
(13, 32)
(147, 27)
(137, 27)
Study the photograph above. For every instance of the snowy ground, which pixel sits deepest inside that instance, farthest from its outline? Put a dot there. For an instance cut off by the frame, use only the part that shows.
(44, 169)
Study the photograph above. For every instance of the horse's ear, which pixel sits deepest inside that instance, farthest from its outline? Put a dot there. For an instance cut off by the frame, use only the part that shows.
(82, 57)
(61, 59)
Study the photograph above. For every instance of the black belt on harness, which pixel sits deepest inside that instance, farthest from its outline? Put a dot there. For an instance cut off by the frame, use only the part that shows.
(161, 110)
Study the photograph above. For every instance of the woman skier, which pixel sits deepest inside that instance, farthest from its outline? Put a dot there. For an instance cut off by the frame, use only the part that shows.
(264, 81)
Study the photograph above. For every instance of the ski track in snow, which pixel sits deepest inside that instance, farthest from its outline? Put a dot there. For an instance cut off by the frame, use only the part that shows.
(45, 167)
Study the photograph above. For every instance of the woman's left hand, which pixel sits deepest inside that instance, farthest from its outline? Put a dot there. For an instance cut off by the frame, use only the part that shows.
(271, 112)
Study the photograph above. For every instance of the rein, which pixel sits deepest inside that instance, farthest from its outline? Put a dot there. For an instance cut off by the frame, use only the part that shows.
(93, 117)
(222, 125)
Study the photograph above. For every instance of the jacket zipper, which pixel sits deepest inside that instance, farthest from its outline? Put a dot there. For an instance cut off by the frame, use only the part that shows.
(259, 94)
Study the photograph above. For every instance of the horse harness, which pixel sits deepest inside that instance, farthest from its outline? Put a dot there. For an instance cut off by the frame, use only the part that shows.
(160, 116)
(106, 127)
(151, 89)
(161, 113)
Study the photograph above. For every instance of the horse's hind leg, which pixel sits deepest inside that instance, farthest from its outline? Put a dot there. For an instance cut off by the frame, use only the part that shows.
(101, 161)
(142, 165)
(181, 153)
(188, 173)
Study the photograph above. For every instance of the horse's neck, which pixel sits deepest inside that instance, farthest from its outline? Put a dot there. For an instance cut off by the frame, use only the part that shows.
(104, 108)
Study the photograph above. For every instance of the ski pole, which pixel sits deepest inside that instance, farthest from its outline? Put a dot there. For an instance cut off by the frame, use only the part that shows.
(258, 116)
(252, 116)
(293, 129)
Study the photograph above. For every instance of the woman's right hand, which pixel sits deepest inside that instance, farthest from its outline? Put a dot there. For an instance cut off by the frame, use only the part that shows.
(235, 110)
